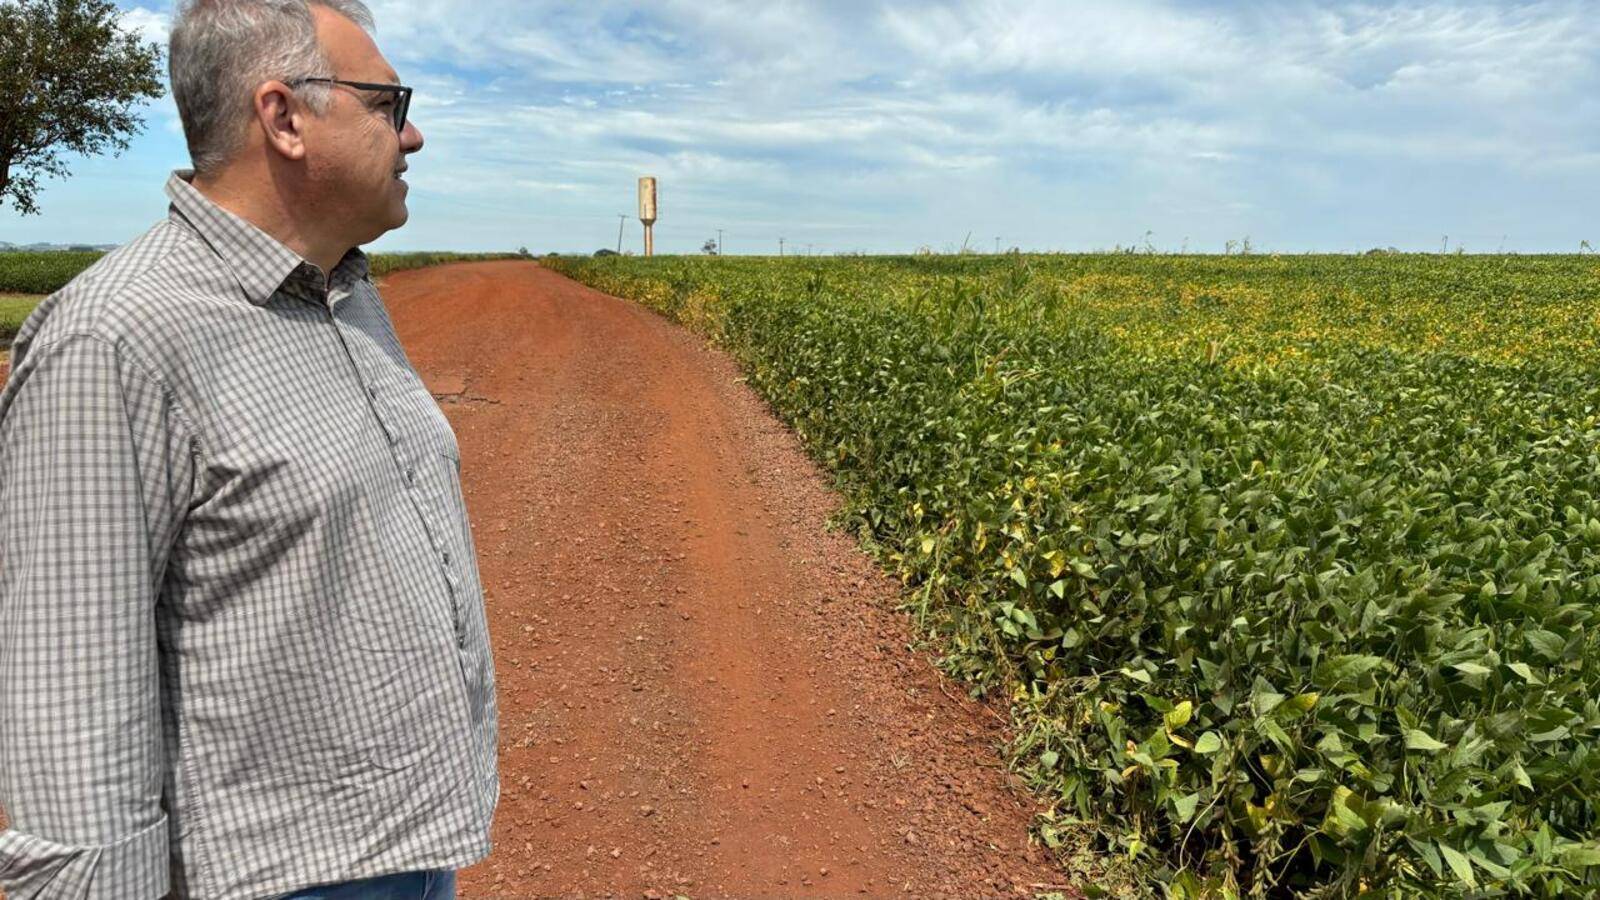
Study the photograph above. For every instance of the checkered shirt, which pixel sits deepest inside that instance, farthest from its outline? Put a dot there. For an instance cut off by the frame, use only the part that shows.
(242, 637)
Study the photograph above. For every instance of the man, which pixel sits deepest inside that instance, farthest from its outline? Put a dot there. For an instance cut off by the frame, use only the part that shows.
(243, 650)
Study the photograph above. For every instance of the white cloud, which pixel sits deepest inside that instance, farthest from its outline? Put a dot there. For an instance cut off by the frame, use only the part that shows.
(151, 25)
(1118, 39)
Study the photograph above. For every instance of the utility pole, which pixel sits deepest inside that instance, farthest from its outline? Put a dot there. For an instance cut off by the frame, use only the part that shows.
(622, 219)
(996, 246)
(719, 241)
(780, 246)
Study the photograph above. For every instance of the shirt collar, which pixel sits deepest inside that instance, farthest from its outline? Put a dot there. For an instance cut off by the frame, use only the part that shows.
(258, 262)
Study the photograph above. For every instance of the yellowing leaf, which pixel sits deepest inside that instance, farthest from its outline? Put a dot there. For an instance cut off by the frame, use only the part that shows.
(1179, 715)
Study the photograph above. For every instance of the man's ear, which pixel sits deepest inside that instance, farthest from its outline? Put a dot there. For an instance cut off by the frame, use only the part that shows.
(281, 116)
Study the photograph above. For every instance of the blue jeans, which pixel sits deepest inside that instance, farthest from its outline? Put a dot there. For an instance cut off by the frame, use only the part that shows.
(434, 885)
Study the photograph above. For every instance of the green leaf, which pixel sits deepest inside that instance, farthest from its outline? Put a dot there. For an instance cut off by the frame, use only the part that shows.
(1547, 737)
(1520, 775)
(1417, 739)
(1459, 864)
(1547, 644)
(1209, 743)
(1338, 670)
(1494, 869)
(1580, 857)
(1526, 672)
(1184, 806)
(1049, 758)
(1349, 822)
(1429, 855)
(1274, 732)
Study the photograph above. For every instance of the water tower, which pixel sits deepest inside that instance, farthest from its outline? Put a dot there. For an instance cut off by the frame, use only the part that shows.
(647, 212)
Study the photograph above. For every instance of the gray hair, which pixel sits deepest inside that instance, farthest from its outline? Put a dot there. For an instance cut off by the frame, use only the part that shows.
(222, 50)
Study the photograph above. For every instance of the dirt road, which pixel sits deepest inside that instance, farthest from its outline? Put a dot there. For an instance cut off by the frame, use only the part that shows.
(703, 691)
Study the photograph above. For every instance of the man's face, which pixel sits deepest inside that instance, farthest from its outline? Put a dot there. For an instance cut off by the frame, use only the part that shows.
(355, 156)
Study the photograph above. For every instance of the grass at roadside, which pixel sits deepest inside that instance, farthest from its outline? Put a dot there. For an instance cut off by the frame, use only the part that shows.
(14, 308)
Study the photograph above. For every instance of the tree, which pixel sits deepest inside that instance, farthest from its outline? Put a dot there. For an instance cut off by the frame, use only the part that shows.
(709, 248)
(71, 82)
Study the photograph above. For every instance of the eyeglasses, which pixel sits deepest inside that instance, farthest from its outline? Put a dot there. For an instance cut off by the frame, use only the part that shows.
(402, 102)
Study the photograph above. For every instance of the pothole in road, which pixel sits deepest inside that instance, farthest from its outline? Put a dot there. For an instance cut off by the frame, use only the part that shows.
(466, 399)
(451, 387)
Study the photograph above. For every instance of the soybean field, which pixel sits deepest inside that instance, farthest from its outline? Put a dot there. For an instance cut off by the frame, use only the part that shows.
(1288, 567)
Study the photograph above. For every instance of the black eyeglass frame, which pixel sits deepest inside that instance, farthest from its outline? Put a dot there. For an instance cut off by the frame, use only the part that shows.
(402, 104)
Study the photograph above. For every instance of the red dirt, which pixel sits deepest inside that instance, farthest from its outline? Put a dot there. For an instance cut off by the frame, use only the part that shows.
(703, 690)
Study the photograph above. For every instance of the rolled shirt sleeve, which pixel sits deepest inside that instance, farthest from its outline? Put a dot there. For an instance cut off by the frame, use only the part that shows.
(96, 470)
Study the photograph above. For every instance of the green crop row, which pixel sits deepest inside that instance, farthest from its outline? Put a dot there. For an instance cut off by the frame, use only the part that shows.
(41, 273)
(45, 273)
(1288, 567)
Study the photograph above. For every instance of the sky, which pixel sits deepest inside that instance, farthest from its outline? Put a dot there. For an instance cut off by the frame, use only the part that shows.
(885, 127)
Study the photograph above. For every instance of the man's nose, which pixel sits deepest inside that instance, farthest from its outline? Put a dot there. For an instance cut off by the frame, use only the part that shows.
(410, 138)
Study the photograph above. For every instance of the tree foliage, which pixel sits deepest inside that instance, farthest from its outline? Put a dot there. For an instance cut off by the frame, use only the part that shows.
(71, 82)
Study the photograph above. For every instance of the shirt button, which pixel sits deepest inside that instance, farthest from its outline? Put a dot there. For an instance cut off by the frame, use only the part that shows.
(372, 390)
(411, 475)
(447, 557)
